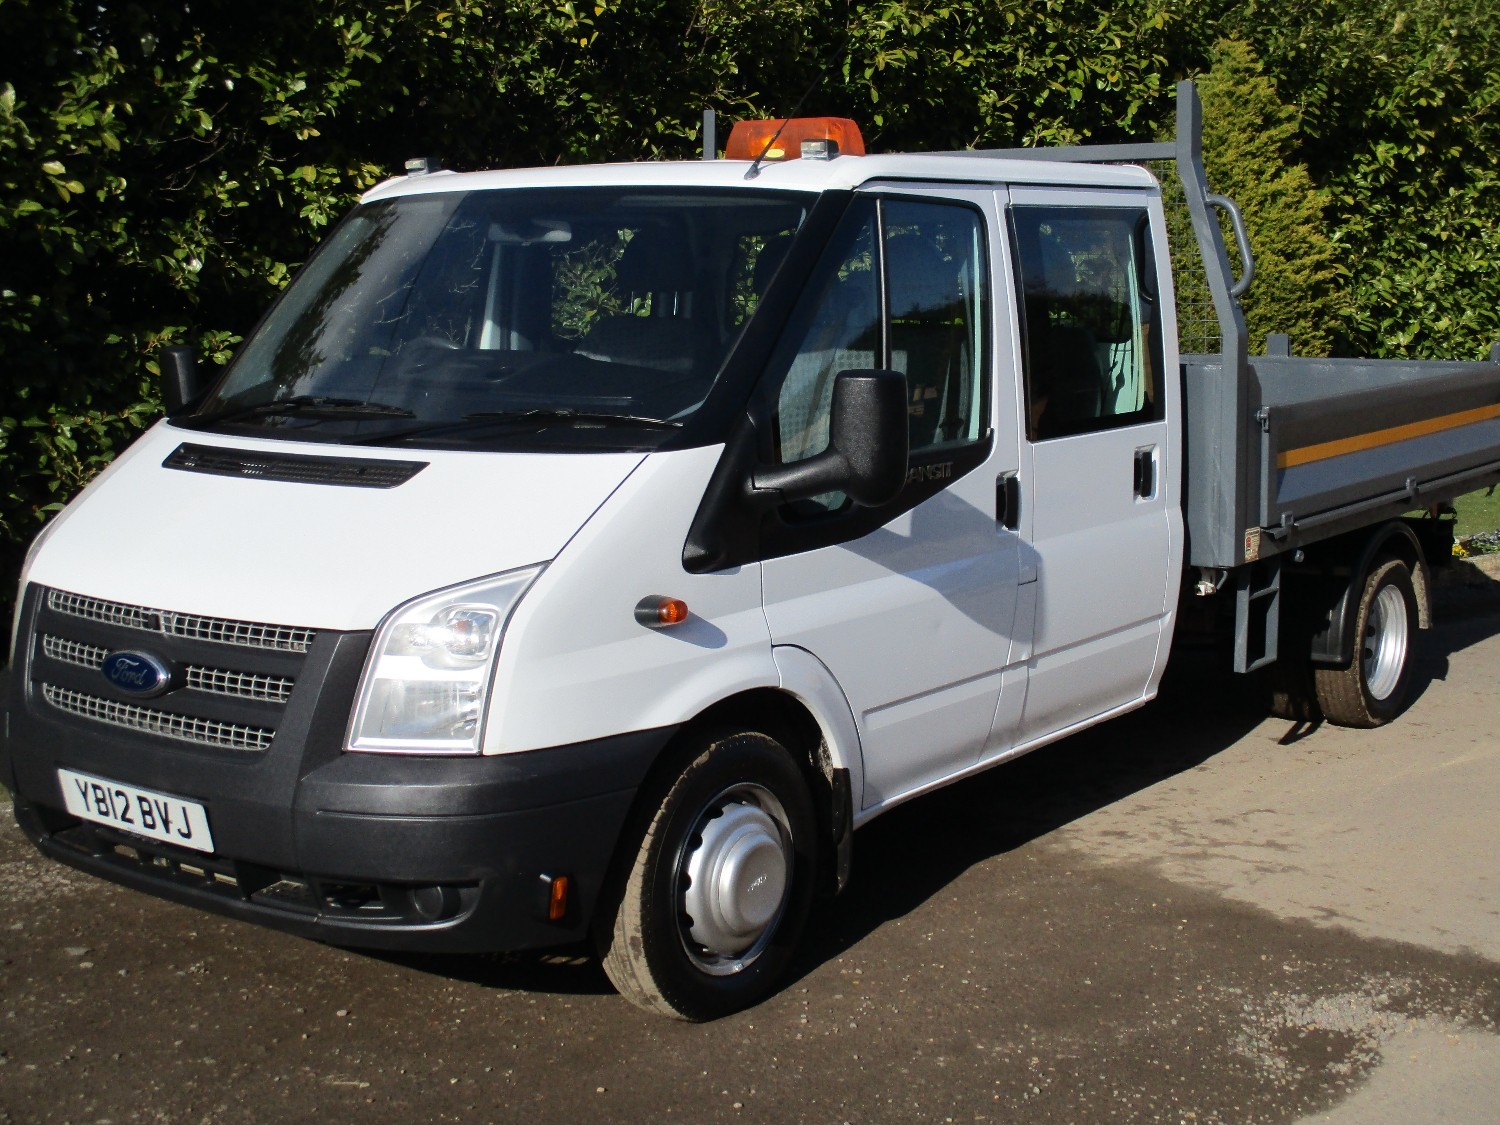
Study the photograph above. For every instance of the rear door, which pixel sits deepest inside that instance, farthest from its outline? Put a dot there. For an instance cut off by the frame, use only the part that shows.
(1099, 386)
(911, 606)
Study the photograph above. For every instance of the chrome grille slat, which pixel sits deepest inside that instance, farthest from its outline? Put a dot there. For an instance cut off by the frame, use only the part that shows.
(247, 634)
(74, 652)
(216, 681)
(240, 685)
(111, 613)
(217, 630)
(167, 724)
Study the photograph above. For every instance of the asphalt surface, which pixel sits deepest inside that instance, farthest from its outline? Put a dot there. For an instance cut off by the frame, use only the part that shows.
(1192, 914)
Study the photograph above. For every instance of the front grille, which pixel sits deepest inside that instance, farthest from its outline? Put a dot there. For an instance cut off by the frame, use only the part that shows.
(229, 682)
(184, 728)
(216, 681)
(218, 630)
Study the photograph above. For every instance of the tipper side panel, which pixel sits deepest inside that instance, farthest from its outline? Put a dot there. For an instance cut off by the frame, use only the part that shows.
(1347, 442)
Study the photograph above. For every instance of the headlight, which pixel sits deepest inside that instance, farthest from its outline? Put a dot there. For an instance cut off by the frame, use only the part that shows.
(428, 674)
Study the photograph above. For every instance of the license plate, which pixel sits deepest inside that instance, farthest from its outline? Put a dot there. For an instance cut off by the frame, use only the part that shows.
(145, 812)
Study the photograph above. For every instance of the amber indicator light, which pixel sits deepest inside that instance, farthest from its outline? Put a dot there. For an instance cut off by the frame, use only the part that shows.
(557, 899)
(660, 612)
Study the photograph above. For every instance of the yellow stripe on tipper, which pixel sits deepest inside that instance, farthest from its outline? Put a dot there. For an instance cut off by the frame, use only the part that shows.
(1376, 438)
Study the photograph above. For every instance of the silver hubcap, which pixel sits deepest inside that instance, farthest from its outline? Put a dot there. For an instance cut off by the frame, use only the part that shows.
(734, 875)
(1384, 653)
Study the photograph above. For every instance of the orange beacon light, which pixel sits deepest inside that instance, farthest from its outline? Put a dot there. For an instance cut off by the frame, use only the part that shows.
(748, 139)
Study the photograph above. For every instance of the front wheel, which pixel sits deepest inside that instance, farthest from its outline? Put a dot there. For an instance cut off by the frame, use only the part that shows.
(1372, 690)
(720, 885)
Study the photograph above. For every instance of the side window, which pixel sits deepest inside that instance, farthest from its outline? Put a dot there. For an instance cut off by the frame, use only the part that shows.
(1091, 331)
(901, 286)
(836, 327)
(935, 302)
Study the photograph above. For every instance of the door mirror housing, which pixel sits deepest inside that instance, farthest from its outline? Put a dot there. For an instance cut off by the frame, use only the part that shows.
(181, 386)
(868, 446)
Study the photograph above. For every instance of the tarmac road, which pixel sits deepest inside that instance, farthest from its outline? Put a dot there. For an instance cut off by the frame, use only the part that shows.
(1190, 915)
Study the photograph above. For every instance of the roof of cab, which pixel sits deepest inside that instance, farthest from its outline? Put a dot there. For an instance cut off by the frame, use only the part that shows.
(844, 172)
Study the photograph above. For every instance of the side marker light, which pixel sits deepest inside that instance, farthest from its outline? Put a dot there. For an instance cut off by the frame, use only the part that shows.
(659, 612)
(557, 899)
(551, 901)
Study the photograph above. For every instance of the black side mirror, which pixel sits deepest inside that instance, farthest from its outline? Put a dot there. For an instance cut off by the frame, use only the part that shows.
(867, 449)
(180, 385)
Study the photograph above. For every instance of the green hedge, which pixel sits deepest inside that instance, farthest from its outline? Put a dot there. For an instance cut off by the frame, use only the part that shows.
(163, 168)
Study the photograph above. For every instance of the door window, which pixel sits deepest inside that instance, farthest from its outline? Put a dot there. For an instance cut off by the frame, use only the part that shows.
(1092, 355)
(902, 286)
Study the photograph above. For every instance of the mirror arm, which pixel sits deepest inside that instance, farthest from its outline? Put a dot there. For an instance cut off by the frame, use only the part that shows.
(867, 447)
(771, 485)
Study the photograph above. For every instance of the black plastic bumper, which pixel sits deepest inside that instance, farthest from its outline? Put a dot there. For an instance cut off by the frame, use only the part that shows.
(387, 851)
(398, 853)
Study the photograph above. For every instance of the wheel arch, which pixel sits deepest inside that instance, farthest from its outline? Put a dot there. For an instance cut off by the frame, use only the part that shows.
(1341, 567)
(808, 715)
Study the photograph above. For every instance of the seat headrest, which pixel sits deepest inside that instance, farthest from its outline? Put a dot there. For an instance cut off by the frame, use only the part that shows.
(768, 261)
(920, 280)
(656, 261)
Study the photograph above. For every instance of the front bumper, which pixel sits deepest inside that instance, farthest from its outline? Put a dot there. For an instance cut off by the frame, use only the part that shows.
(449, 855)
(446, 854)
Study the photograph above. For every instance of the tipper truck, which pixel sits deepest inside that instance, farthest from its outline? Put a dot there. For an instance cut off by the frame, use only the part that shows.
(583, 554)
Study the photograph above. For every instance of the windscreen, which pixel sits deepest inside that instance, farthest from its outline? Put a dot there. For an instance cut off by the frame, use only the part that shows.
(569, 317)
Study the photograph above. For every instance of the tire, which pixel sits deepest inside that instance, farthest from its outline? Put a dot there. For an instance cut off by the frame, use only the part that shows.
(1293, 695)
(686, 945)
(1372, 690)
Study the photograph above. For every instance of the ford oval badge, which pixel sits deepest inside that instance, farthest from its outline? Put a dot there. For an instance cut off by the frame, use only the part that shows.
(138, 673)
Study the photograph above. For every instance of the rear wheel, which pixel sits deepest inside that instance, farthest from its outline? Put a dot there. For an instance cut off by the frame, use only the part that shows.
(1293, 696)
(720, 885)
(1372, 690)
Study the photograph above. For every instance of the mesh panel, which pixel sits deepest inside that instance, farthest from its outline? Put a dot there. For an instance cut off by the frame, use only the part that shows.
(241, 685)
(245, 634)
(1197, 320)
(218, 681)
(111, 613)
(74, 652)
(184, 728)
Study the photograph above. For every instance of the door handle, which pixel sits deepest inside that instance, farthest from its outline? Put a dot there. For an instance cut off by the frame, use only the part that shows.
(1008, 501)
(1145, 473)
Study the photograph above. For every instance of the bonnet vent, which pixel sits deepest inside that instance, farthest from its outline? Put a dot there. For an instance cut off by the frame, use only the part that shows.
(293, 468)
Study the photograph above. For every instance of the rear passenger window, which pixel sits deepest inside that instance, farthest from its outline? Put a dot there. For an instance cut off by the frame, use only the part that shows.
(1090, 323)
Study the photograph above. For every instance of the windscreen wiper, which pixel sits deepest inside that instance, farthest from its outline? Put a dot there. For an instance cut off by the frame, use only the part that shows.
(568, 414)
(313, 406)
(543, 415)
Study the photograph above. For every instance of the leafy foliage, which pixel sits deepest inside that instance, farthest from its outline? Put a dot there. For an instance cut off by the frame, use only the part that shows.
(586, 289)
(159, 179)
(1400, 104)
(164, 167)
(1249, 153)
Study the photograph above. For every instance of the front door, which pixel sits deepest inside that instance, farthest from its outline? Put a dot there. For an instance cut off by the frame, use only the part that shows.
(911, 605)
(1099, 373)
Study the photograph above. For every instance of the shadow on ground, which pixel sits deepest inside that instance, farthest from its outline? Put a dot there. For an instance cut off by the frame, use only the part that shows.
(915, 851)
